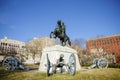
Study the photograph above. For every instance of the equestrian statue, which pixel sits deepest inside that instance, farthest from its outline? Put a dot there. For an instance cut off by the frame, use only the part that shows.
(60, 32)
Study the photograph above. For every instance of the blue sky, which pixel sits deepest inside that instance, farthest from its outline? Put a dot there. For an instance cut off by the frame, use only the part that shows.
(26, 19)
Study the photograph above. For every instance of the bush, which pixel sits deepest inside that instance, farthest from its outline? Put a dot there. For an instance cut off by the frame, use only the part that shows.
(86, 65)
(114, 65)
(1, 62)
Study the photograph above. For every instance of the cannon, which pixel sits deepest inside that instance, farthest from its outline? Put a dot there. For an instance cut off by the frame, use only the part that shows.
(70, 66)
(11, 63)
(99, 63)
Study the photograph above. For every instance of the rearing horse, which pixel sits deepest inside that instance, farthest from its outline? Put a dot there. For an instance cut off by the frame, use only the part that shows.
(63, 39)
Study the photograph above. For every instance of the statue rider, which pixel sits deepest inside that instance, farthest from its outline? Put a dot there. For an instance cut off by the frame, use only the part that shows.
(61, 28)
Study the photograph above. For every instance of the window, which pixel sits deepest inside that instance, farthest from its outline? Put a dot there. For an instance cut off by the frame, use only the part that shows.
(116, 40)
(93, 43)
(110, 41)
(96, 42)
(23, 46)
(9, 44)
(103, 41)
(5, 44)
(99, 42)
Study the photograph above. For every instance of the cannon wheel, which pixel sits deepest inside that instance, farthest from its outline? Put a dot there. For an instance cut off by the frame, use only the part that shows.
(9, 63)
(95, 61)
(48, 66)
(102, 63)
(72, 64)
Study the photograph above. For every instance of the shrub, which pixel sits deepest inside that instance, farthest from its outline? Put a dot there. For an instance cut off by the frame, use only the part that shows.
(114, 65)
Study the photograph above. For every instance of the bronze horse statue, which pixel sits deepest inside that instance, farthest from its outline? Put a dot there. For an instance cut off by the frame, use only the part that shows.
(63, 39)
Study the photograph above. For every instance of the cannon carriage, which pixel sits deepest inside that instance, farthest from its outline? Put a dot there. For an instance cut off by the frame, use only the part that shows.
(99, 63)
(70, 66)
(11, 63)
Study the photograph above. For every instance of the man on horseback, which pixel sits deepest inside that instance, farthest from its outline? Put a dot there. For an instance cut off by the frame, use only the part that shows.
(60, 32)
(61, 28)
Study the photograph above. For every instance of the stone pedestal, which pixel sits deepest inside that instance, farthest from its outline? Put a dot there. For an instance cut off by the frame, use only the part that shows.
(54, 54)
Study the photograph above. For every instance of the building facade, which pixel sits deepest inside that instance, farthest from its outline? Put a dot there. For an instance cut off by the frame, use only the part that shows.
(11, 46)
(108, 44)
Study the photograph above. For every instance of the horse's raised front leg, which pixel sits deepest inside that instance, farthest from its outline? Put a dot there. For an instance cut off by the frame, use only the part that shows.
(51, 34)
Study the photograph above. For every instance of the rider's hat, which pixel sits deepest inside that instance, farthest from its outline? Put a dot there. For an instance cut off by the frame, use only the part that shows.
(59, 22)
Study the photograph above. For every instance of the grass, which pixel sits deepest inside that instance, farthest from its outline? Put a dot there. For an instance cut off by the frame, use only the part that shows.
(93, 74)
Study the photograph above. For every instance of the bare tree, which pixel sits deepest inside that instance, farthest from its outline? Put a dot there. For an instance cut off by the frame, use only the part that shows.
(36, 46)
(79, 42)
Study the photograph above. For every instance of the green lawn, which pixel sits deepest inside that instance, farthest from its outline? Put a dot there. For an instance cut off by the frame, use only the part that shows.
(93, 74)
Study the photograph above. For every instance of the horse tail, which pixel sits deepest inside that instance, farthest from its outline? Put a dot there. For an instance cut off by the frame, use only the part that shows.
(69, 42)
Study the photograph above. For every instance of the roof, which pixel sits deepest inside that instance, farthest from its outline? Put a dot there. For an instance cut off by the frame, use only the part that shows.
(104, 37)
